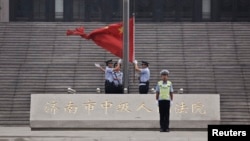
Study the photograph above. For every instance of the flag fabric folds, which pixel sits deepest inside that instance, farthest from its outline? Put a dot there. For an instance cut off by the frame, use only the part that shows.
(109, 38)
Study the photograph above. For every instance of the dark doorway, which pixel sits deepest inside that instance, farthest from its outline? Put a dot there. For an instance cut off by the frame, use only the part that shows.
(144, 10)
(182, 10)
(230, 10)
(20, 10)
(32, 10)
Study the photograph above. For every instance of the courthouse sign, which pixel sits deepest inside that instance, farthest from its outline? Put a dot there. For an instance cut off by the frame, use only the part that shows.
(120, 111)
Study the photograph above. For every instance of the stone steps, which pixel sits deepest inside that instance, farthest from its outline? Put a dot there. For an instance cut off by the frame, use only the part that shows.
(202, 58)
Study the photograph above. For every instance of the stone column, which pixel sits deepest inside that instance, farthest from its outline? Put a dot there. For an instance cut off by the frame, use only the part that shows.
(4, 10)
(206, 9)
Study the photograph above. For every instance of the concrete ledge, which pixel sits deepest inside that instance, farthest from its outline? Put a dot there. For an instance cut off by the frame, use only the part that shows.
(125, 124)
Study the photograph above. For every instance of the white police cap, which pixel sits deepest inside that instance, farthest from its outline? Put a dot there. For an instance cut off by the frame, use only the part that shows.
(164, 72)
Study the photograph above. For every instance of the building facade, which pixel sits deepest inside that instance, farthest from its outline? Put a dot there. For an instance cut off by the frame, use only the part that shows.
(111, 10)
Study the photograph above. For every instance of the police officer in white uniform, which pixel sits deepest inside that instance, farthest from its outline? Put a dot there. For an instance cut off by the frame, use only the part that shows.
(144, 76)
(117, 80)
(109, 74)
(164, 97)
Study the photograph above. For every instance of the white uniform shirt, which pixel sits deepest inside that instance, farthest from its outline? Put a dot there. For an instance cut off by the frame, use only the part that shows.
(144, 75)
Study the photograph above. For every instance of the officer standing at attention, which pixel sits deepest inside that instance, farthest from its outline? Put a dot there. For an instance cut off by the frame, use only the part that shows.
(164, 97)
(144, 76)
(117, 80)
(109, 74)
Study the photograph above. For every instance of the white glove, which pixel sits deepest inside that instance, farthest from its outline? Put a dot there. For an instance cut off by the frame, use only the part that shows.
(171, 102)
(97, 65)
(135, 62)
(119, 61)
(157, 102)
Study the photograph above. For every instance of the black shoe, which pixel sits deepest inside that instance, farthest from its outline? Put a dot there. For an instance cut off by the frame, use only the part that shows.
(162, 130)
(167, 130)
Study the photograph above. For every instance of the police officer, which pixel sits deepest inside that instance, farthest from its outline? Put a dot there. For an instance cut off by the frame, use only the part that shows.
(109, 75)
(164, 97)
(144, 76)
(117, 80)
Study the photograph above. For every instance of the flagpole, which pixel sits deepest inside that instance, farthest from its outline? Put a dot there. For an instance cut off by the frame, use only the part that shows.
(134, 47)
(126, 45)
(134, 28)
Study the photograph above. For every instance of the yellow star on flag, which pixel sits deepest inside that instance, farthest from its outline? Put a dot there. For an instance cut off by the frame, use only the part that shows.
(121, 30)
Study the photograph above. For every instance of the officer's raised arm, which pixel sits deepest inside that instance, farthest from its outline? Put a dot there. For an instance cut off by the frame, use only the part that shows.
(118, 66)
(136, 66)
(100, 67)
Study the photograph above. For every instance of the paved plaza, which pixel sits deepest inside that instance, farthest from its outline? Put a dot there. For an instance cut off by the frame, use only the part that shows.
(26, 134)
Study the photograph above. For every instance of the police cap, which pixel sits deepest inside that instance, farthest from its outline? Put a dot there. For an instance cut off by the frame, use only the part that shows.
(164, 72)
(116, 64)
(108, 61)
(144, 62)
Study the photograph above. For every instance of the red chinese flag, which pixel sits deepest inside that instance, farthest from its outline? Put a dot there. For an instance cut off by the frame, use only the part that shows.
(109, 38)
